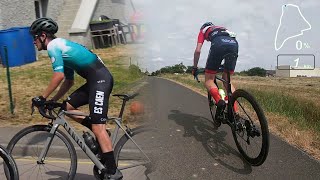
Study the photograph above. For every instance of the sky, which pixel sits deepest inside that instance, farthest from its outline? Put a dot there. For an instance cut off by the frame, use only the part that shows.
(172, 26)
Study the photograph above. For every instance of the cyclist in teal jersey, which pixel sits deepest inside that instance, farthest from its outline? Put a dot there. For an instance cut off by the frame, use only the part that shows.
(68, 57)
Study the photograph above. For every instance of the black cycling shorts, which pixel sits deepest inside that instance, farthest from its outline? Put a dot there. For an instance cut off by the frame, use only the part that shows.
(95, 92)
(221, 46)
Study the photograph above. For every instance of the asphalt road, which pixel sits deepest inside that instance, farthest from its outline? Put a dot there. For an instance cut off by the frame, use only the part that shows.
(192, 149)
(184, 144)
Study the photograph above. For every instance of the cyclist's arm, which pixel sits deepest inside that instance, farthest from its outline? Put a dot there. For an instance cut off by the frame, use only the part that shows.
(196, 55)
(54, 83)
(64, 88)
(197, 52)
(66, 85)
(55, 55)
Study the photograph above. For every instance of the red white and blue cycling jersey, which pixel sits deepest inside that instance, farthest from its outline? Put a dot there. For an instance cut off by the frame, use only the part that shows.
(209, 32)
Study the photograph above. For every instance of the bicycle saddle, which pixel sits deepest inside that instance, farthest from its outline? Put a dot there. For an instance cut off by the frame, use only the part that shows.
(126, 96)
(230, 56)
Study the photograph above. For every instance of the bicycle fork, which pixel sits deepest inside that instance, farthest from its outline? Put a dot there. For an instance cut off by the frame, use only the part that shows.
(47, 145)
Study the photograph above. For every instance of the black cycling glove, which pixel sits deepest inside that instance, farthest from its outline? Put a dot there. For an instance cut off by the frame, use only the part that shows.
(38, 101)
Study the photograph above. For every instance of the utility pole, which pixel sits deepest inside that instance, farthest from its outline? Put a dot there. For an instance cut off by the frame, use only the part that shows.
(9, 80)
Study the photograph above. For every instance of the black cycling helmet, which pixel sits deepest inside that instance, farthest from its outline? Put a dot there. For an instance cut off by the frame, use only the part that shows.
(43, 24)
(206, 24)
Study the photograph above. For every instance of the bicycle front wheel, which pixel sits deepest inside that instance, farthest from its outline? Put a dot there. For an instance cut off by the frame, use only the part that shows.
(212, 106)
(9, 165)
(60, 161)
(250, 130)
(130, 154)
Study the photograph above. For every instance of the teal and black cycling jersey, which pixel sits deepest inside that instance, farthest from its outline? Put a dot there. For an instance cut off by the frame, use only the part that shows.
(67, 56)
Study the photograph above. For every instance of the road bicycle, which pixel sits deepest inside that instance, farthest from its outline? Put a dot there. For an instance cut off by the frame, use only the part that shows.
(44, 151)
(9, 165)
(244, 116)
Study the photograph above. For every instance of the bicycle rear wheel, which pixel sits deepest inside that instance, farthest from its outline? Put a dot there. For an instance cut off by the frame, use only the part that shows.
(9, 165)
(128, 155)
(60, 161)
(250, 130)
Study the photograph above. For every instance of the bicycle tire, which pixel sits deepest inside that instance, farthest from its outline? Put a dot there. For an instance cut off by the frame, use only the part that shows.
(10, 166)
(15, 144)
(123, 142)
(262, 155)
(212, 107)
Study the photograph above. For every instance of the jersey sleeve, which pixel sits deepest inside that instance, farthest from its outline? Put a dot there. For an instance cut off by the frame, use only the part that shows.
(69, 73)
(55, 55)
(200, 37)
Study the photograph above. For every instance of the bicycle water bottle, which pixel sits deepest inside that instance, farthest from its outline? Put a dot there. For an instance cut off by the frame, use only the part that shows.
(90, 142)
(222, 94)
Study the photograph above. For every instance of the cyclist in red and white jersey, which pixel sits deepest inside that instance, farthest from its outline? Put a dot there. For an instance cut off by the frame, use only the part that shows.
(223, 42)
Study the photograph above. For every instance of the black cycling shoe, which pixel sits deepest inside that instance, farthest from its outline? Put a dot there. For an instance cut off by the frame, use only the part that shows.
(221, 105)
(116, 176)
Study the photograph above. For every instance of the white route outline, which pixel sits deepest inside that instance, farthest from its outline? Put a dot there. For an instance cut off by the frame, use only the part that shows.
(275, 40)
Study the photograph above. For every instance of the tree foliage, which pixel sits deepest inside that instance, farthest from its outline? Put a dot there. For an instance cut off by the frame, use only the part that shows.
(256, 71)
(178, 68)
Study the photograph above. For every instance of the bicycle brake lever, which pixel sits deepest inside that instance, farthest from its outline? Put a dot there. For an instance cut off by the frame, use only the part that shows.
(50, 113)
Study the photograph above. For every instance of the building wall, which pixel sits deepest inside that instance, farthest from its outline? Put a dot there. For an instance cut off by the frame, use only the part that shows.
(114, 9)
(54, 7)
(285, 71)
(22, 12)
(307, 73)
(16, 13)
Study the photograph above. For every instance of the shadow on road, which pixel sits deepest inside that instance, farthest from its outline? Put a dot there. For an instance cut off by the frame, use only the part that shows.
(212, 140)
(79, 176)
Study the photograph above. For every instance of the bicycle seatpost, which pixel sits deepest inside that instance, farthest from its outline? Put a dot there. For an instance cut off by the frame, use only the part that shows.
(122, 107)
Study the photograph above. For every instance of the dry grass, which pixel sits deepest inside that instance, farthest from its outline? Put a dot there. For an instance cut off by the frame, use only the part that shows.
(30, 80)
(305, 138)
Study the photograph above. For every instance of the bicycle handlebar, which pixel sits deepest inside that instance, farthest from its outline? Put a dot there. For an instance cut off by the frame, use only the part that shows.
(47, 106)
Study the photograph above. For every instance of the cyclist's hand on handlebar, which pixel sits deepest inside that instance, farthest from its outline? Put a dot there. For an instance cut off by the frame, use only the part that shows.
(38, 101)
(195, 71)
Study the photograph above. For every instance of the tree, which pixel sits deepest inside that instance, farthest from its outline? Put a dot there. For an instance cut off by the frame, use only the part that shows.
(256, 71)
(178, 68)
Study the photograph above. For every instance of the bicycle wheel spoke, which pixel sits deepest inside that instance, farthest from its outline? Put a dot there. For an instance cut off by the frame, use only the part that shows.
(131, 154)
(59, 167)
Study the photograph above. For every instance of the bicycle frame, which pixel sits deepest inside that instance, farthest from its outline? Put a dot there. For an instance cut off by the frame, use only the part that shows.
(230, 120)
(60, 120)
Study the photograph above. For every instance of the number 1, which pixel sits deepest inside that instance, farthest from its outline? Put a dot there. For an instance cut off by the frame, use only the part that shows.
(297, 61)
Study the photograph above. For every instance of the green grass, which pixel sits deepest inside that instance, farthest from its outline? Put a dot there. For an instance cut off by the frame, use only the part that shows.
(303, 112)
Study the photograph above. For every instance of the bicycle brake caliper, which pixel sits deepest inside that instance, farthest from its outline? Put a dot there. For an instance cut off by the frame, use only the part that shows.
(129, 131)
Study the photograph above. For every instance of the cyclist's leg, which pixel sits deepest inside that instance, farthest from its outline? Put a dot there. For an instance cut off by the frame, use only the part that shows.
(230, 66)
(211, 86)
(101, 85)
(212, 66)
(79, 98)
